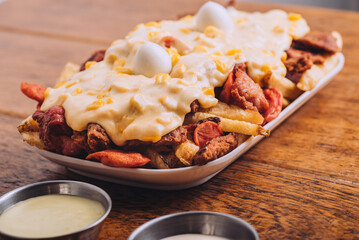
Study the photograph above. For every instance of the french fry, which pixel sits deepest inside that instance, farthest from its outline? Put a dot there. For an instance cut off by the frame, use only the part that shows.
(312, 76)
(235, 113)
(67, 72)
(186, 151)
(229, 125)
(162, 160)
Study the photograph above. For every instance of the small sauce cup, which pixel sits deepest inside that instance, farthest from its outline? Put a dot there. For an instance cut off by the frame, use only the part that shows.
(196, 222)
(61, 187)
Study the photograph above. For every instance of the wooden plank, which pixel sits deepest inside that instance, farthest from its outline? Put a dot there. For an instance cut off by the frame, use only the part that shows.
(280, 203)
(33, 59)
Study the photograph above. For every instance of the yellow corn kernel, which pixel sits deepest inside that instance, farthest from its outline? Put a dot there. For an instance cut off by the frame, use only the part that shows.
(111, 58)
(162, 78)
(212, 32)
(265, 68)
(123, 70)
(96, 104)
(186, 30)
(199, 48)
(179, 70)
(198, 37)
(151, 35)
(91, 93)
(268, 52)
(121, 88)
(101, 95)
(119, 63)
(162, 99)
(220, 65)
(240, 21)
(284, 56)
(163, 121)
(71, 84)
(294, 16)
(218, 53)
(77, 91)
(155, 138)
(60, 84)
(234, 51)
(187, 19)
(278, 29)
(181, 82)
(208, 91)
(47, 92)
(153, 24)
(110, 100)
(174, 55)
(89, 64)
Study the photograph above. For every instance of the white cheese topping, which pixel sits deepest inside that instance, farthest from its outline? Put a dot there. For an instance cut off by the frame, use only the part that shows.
(128, 105)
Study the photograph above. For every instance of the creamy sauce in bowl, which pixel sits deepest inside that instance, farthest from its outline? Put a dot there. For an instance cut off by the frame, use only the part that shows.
(50, 216)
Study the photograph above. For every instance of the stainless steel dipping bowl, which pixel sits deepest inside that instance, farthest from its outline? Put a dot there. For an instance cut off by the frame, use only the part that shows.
(65, 187)
(209, 223)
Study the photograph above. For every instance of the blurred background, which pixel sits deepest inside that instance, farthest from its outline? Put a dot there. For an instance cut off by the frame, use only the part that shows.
(352, 5)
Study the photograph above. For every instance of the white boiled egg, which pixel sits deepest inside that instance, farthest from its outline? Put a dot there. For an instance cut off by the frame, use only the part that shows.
(214, 14)
(151, 59)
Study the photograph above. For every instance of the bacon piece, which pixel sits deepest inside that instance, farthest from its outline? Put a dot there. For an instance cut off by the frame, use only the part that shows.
(216, 148)
(168, 41)
(33, 91)
(225, 95)
(317, 42)
(191, 127)
(274, 98)
(97, 138)
(55, 133)
(205, 132)
(298, 62)
(195, 105)
(241, 90)
(117, 158)
(177, 136)
(96, 56)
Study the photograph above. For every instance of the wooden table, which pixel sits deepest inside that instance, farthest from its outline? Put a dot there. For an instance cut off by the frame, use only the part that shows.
(300, 183)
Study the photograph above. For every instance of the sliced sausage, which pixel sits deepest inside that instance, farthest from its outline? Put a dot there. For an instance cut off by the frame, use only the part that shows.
(117, 158)
(205, 132)
(33, 91)
(274, 98)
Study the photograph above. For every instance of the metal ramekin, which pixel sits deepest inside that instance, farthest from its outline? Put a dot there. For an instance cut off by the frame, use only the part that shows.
(65, 187)
(209, 223)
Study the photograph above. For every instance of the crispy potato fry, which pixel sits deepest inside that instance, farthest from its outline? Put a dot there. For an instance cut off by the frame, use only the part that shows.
(286, 86)
(229, 125)
(67, 72)
(312, 76)
(186, 151)
(161, 160)
(29, 130)
(235, 113)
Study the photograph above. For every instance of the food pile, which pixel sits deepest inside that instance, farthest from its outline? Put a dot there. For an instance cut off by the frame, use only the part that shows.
(180, 93)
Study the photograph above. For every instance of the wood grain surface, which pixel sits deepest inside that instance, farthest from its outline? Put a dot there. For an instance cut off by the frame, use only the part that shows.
(300, 183)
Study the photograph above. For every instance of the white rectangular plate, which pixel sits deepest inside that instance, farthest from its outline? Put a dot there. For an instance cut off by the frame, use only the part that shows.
(180, 178)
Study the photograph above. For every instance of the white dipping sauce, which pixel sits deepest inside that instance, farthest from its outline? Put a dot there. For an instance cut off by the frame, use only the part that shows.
(194, 236)
(50, 216)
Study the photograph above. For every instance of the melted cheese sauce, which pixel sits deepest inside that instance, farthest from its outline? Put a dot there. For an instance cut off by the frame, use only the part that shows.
(194, 236)
(50, 216)
(130, 106)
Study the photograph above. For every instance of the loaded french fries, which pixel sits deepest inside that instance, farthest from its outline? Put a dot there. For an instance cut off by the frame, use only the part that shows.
(180, 93)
